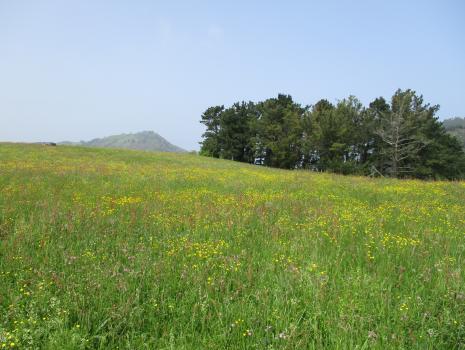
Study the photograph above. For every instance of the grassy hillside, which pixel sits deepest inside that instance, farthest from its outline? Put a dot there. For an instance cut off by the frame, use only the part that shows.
(107, 249)
(144, 140)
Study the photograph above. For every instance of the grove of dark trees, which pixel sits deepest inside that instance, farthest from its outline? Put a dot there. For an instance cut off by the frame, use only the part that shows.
(397, 138)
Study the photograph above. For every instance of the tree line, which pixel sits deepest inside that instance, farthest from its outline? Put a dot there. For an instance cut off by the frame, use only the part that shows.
(399, 138)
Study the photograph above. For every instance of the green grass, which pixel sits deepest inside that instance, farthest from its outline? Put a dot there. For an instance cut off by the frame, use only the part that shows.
(108, 249)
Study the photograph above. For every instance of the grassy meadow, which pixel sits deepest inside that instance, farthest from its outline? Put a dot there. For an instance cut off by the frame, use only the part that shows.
(113, 249)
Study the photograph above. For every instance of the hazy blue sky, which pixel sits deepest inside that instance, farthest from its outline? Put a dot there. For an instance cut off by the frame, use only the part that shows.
(72, 70)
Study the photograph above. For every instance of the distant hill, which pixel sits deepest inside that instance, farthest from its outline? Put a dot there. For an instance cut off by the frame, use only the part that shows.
(145, 140)
(456, 127)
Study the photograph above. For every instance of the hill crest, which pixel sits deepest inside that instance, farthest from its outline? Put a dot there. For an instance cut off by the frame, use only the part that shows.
(144, 140)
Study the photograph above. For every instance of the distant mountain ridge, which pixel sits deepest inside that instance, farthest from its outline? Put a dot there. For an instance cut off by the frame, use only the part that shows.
(144, 140)
(456, 127)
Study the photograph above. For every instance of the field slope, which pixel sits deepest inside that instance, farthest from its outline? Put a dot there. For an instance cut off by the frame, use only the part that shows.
(107, 249)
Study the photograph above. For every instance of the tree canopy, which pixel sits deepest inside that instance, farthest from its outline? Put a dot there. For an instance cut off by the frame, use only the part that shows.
(399, 138)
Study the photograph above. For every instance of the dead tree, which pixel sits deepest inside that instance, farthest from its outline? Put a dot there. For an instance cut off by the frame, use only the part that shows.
(401, 141)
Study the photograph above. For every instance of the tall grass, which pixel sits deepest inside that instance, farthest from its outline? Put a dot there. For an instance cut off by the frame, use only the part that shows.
(112, 249)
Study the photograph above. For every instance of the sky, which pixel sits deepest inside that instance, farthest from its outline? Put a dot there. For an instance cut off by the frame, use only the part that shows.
(80, 69)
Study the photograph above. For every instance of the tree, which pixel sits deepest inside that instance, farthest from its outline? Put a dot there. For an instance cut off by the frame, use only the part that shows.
(279, 132)
(211, 118)
(236, 132)
(375, 112)
(354, 136)
(443, 156)
(229, 132)
(335, 137)
(400, 134)
(317, 123)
